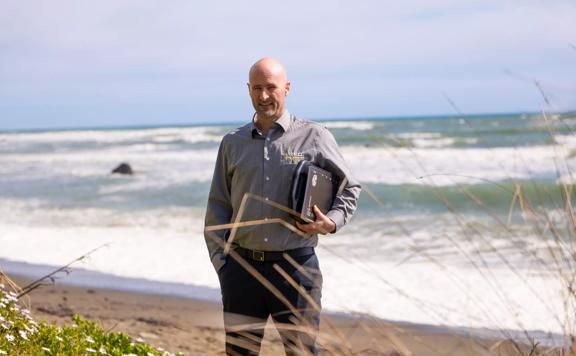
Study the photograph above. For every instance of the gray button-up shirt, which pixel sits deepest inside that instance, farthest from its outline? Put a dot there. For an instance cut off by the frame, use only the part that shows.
(264, 165)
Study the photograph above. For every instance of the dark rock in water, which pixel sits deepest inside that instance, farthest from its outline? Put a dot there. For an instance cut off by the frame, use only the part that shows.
(123, 168)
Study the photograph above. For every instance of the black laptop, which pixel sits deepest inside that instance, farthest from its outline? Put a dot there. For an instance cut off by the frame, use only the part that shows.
(311, 186)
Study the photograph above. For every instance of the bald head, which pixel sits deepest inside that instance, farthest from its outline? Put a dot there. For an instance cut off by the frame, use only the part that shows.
(268, 66)
(268, 88)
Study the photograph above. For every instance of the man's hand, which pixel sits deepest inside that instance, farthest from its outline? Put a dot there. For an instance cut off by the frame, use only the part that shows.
(322, 225)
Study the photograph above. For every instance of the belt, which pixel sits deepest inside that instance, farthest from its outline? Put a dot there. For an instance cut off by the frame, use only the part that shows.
(268, 256)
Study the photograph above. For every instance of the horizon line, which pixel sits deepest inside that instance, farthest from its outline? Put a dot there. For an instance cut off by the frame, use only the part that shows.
(325, 119)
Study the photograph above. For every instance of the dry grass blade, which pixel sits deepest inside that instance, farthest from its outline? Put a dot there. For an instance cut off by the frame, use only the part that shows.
(247, 223)
(298, 287)
(4, 279)
(243, 343)
(234, 228)
(300, 269)
(238, 223)
(51, 276)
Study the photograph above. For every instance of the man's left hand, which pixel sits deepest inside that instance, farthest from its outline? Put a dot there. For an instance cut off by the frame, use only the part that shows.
(322, 225)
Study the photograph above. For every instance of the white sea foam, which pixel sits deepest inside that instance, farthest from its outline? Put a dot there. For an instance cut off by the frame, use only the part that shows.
(418, 135)
(448, 166)
(389, 165)
(430, 139)
(443, 294)
(188, 134)
(140, 152)
(41, 213)
(416, 291)
(159, 166)
(568, 141)
(422, 276)
(443, 142)
(354, 125)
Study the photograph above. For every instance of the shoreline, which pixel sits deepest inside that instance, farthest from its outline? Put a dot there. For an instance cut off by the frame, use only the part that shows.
(178, 322)
(195, 327)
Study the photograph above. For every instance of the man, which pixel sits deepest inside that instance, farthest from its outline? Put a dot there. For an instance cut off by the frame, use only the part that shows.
(272, 269)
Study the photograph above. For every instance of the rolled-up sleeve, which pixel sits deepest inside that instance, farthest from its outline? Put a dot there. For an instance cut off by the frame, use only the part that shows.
(330, 157)
(219, 208)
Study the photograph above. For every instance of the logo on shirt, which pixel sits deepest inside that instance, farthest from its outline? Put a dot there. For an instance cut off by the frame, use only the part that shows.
(292, 156)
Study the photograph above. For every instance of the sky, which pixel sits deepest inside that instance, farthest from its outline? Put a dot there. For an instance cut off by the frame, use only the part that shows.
(81, 63)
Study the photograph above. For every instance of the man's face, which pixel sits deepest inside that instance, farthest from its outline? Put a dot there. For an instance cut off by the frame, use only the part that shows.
(268, 90)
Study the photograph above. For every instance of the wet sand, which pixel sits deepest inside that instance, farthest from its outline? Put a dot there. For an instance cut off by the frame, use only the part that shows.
(195, 327)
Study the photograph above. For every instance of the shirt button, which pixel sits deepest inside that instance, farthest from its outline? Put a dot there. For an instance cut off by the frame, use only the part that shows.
(266, 198)
(267, 138)
(267, 178)
(265, 239)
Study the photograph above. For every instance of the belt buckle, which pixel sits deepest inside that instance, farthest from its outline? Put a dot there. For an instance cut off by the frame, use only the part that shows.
(258, 256)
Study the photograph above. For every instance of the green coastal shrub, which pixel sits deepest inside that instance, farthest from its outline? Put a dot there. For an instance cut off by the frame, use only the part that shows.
(20, 334)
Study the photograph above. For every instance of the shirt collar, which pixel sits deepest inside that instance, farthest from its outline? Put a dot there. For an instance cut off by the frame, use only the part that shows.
(283, 121)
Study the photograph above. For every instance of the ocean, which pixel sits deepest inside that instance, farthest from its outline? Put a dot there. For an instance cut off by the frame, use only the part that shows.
(462, 221)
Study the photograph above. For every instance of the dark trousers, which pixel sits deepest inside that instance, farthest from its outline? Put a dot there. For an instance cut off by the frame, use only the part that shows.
(248, 303)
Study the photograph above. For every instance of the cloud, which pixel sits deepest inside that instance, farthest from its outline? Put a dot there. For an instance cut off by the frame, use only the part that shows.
(184, 35)
(167, 51)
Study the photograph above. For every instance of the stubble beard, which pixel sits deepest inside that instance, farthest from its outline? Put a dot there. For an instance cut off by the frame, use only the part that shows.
(270, 113)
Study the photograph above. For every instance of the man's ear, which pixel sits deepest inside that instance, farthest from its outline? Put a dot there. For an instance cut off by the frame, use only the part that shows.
(286, 88)
(248, 85)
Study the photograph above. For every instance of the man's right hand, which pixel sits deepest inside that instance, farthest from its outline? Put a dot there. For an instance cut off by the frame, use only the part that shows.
(322, 225)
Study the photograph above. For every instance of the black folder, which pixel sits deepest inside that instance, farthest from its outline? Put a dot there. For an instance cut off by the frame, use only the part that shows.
(311, 186)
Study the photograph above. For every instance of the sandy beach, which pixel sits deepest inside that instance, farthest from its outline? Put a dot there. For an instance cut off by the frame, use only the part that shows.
(195, 327)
